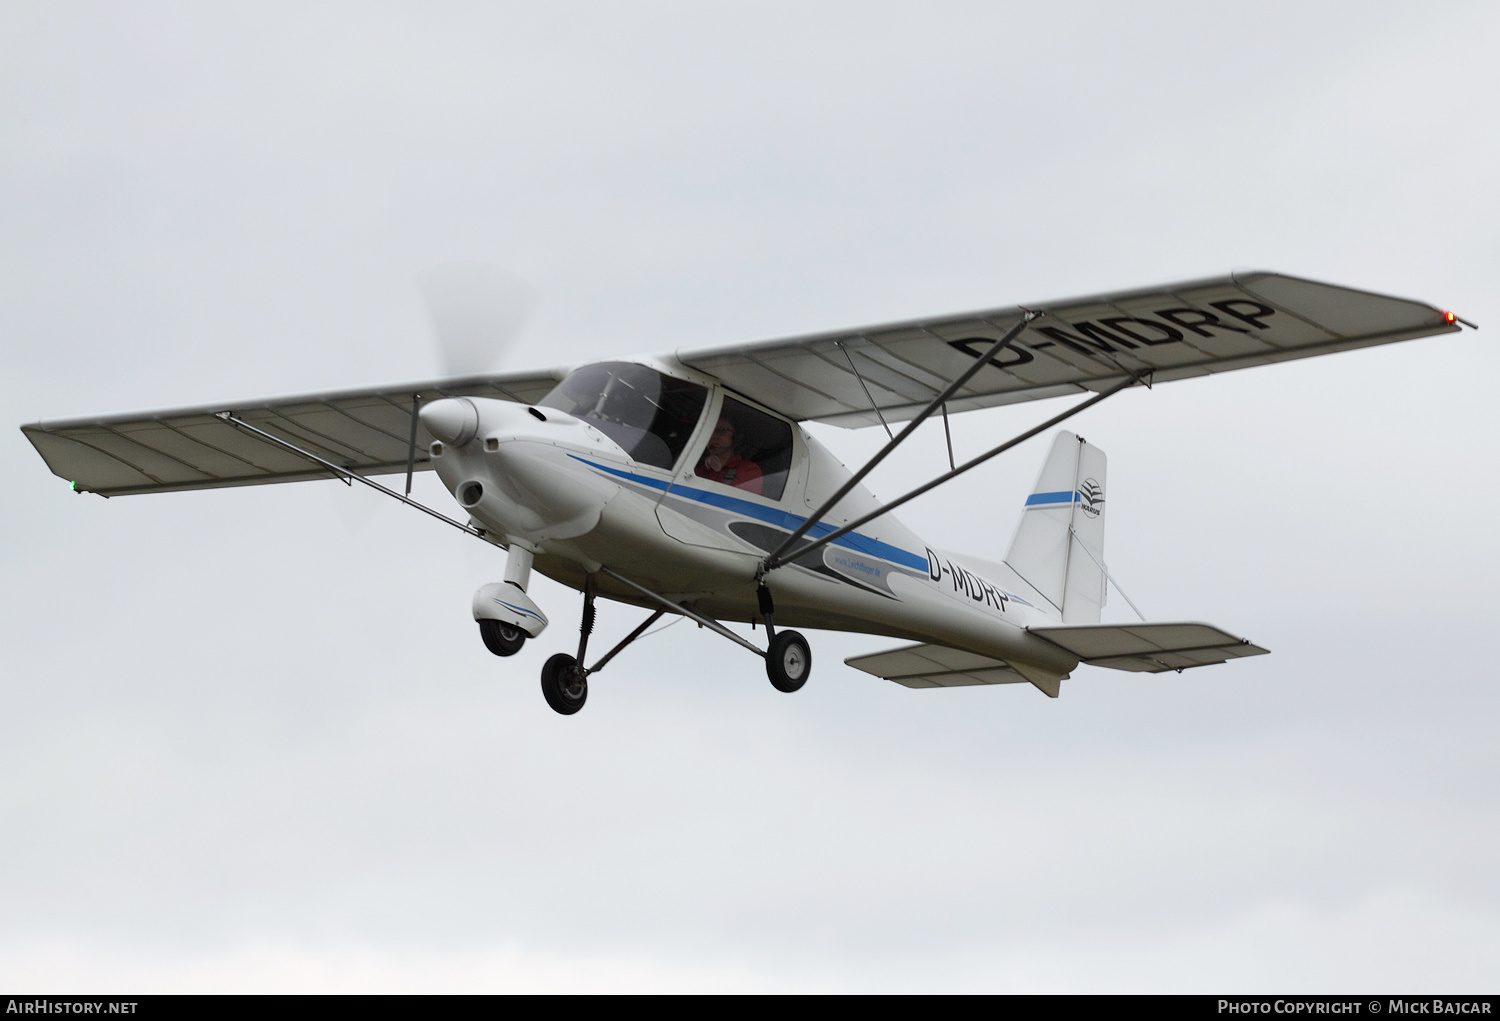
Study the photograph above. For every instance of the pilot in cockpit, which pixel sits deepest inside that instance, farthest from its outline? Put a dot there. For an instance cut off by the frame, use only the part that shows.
(722, 463)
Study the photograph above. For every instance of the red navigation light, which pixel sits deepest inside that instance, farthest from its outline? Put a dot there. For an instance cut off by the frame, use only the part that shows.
(1449, 316)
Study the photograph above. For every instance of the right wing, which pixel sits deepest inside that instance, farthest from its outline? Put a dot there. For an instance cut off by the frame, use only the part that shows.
(1076, 345)
(367, 431)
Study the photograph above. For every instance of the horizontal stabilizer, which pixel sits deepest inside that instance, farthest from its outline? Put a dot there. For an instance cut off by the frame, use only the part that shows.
(937, 666)
(1148, 648)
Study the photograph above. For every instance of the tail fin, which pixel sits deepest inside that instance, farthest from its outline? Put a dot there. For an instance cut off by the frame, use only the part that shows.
(1059, 544)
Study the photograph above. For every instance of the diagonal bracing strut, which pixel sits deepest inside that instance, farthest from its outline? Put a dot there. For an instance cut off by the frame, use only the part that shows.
(612, 653)
(345, 475)
(667, 604)
(775, 559)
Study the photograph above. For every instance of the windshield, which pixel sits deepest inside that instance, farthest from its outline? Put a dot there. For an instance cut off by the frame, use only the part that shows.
(647, 413)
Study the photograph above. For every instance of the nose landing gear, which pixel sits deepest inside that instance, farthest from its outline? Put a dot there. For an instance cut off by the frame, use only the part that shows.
(501, 638)
(506, 614)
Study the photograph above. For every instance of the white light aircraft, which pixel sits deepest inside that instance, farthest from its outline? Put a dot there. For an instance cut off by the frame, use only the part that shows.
(683, 483)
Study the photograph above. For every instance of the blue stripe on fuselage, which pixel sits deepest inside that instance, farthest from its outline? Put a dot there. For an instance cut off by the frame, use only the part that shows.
(781, 519)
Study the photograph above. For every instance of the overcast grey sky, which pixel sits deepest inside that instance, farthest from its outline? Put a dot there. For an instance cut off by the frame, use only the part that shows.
(249, 739)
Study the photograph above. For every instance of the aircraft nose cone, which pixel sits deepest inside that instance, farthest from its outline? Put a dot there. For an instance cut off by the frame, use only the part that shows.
(453, 420)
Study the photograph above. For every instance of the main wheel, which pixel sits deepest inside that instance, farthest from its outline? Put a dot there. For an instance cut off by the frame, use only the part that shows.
(788, 661)
(500, 638)
(563, 689)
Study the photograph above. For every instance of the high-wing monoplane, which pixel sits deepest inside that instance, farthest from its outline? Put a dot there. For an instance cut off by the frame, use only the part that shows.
(685, 484)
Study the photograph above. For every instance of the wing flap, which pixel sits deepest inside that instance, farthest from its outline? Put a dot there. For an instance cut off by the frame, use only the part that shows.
(1076, 345)
(366, 431)
(1148, 648)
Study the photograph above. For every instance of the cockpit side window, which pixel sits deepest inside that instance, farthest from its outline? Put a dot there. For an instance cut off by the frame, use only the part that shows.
(748, 450)
(648, 414)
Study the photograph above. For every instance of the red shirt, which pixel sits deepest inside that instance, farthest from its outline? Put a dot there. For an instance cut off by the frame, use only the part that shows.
(738, 472)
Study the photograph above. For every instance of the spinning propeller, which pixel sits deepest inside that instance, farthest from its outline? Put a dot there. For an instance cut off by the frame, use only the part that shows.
(477, 311)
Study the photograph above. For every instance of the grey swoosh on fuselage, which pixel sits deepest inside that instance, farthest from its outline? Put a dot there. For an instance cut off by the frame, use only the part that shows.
(862, 570)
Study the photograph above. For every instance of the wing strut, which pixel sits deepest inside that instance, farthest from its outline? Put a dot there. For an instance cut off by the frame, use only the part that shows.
(411, 445)
(776, 560)
(345, 475)
(948, 435)
(852, 368)
(773, 559)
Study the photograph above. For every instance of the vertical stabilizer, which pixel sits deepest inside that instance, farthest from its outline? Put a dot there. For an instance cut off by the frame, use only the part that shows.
(1059, 544)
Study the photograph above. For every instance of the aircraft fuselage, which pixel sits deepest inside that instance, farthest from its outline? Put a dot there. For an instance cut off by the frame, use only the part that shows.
(572, 496)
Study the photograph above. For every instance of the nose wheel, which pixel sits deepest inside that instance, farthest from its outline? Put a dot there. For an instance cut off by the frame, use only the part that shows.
(501, 638)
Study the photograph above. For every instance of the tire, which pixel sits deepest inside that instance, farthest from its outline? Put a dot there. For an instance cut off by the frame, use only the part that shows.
(563, 689)
(500, 638)
(788, 661)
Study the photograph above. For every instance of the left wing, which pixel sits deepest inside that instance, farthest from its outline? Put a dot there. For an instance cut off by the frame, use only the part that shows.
(1076, 345)
(367, 431)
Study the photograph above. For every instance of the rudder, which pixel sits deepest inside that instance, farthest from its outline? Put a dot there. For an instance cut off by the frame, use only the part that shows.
(1059, 544)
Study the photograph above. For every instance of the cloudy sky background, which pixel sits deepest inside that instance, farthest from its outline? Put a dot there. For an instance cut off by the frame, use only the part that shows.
(249, 739)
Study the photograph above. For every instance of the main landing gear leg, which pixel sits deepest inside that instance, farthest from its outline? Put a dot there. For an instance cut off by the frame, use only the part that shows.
(788, 658)
(565, 683)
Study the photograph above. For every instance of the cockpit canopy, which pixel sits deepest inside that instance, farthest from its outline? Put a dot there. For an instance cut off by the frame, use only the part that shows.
(649, 414)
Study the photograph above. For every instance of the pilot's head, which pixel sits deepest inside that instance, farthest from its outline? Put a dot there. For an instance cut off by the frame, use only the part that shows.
(721, 443)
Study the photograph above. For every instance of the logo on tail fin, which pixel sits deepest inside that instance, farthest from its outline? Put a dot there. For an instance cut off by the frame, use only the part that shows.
(1091, 497)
